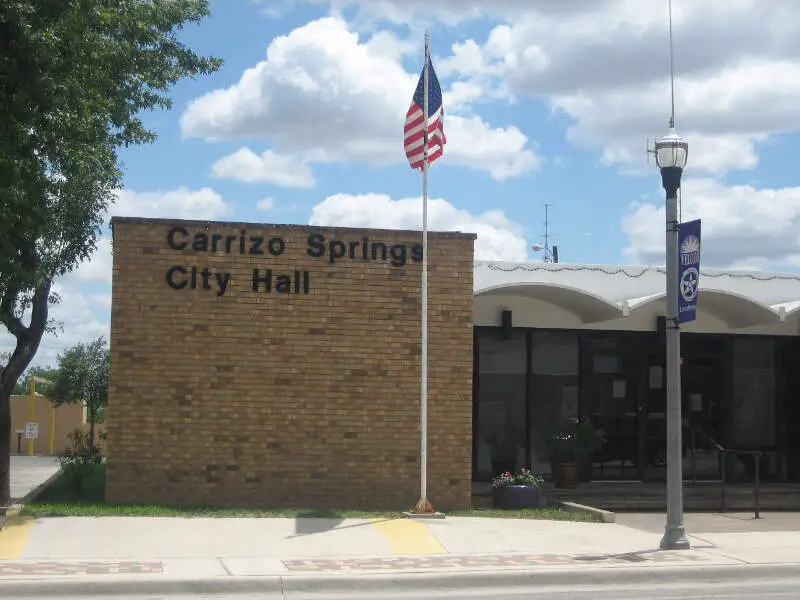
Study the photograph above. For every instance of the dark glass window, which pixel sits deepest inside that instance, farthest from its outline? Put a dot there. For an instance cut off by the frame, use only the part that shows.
(554, 394)
(613, 364)
(501, 402)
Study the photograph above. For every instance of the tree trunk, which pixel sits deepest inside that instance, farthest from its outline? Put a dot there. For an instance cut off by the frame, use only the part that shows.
(28, 340)
(92, 419)
(5, 448)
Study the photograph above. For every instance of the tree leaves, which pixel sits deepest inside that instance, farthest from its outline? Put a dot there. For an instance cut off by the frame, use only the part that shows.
(75, 76)
(83, 376)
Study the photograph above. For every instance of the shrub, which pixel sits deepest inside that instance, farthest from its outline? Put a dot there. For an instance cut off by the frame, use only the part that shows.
(521, 477)
(79, 462)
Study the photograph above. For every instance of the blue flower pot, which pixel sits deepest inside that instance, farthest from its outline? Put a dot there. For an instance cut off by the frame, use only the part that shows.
(518, 497)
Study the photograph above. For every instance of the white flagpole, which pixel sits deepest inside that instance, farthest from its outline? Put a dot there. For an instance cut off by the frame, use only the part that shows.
(424, 506)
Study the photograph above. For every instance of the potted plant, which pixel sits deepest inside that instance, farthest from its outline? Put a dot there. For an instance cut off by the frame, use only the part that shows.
(518, 490)
(569, 446)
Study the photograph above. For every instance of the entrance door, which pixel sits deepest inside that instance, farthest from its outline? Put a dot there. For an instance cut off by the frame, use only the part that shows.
(611, 398)
(653, 425)
(701, 384)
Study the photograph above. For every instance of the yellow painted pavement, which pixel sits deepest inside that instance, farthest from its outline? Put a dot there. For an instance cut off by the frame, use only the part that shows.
(14, 535)
(407, 536)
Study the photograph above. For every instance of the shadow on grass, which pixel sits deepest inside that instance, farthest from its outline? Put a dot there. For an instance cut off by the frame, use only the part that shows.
(93, 490)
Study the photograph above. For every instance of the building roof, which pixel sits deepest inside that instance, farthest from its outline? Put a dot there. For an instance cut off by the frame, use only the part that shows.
(602, 292)
(278, 227)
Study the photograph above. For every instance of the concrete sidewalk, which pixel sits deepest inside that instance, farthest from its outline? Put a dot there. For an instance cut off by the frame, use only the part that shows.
(152, 552)
(29, 474)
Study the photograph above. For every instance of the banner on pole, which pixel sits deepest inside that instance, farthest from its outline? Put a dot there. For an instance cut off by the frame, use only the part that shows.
(688, 270)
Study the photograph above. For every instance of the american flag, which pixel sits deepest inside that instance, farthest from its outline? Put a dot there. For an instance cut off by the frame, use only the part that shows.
(415, 130)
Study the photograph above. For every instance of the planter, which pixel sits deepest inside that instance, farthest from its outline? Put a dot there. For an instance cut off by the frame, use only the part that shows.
(518, 497)
(565, 475)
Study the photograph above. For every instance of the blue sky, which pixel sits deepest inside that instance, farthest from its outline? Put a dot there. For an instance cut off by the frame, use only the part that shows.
(545, 102)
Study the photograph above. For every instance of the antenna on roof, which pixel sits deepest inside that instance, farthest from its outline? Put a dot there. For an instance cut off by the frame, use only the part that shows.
(549, 255)
(671, 71)
(650, 150)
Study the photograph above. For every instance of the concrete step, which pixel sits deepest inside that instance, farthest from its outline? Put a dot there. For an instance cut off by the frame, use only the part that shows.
(699, 497)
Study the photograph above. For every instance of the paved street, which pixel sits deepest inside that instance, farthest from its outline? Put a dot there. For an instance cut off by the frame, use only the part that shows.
(784, 589)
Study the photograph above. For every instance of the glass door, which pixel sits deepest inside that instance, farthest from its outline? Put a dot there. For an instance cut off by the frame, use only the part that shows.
(612, 399)
(553, 390)
(701, 382)
(499, 439)
(654, 418)
(789, 415)
(749, 416)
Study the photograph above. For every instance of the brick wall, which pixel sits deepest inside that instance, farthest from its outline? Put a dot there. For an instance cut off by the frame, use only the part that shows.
(66, 418)
(229, 396)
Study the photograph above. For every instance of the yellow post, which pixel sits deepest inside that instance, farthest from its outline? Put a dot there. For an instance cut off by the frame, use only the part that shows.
(32, 412)
(52, 430)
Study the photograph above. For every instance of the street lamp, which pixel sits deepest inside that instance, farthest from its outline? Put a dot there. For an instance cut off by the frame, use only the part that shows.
(671, 153)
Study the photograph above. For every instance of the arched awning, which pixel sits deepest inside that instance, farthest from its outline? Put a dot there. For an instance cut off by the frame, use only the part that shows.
(588, 307)
(736, 310)
(787, 309)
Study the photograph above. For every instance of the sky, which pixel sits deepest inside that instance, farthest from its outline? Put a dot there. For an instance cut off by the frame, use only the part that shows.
(545, 101)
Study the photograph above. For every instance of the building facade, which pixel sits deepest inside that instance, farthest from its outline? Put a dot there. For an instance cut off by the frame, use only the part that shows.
(555, 340)
(279, 365)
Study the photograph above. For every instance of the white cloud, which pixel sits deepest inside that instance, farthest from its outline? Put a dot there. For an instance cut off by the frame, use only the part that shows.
(742, 225)
(270, 167)
(266, 204)
(498, 237)
(98, 268)
(403, 12)
(471, 139)
(325, 95)
(82, 316)
(84, 312)
(605, 64)
(274, 9)
(180, 203)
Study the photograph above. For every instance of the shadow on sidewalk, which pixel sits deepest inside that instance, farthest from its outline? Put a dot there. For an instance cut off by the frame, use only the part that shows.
(640, 556)
(317, 521)
(715, 522)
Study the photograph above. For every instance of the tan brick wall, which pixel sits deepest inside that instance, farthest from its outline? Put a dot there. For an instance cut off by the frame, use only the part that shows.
(66, 418)
(285, 399)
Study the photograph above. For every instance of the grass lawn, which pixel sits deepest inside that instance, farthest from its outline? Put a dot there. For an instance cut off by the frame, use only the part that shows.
(60, 500)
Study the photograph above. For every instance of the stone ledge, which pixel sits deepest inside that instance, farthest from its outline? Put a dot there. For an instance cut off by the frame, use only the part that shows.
(606, 516)
(424, 516)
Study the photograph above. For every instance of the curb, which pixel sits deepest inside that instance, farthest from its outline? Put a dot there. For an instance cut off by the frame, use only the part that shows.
(31, 495)
(371, 586)
(15, 505)
(605, 516)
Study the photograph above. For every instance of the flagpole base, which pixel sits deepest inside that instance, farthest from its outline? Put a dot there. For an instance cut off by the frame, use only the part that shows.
(424, 507)
(424, 510)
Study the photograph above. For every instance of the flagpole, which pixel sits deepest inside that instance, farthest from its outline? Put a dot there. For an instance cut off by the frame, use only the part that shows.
(424, 506)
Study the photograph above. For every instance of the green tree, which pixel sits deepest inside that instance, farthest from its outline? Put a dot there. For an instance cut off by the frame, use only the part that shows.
(75, 76)
(23, 386)
(82, 378)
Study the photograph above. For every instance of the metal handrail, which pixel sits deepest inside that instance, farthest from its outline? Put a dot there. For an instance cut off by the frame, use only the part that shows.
(723, 455)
